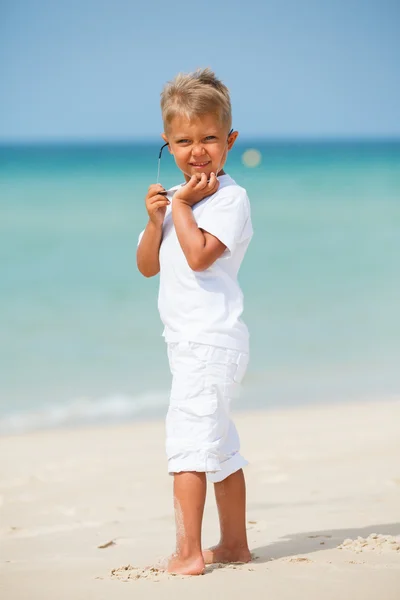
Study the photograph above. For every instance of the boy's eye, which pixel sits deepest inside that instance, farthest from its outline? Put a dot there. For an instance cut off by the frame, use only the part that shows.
(208, 138)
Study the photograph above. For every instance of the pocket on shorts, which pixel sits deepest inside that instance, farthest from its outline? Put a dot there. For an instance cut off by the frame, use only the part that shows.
(237, 369)
(203, 406)
(192, 407)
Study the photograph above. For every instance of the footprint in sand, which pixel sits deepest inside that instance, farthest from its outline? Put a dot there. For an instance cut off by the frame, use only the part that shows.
(131, 573)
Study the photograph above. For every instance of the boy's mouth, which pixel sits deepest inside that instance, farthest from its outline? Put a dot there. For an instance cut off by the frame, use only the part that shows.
(200, 165)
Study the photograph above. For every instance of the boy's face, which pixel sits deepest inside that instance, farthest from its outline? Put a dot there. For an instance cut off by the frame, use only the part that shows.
(200, 145)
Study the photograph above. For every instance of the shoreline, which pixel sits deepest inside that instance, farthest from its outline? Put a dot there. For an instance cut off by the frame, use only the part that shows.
(20, 423)
(318, 475)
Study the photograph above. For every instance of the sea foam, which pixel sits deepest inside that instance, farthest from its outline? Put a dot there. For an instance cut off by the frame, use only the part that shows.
(115, 408)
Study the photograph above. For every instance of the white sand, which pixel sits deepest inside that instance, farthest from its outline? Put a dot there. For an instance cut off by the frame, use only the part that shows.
(318, 477)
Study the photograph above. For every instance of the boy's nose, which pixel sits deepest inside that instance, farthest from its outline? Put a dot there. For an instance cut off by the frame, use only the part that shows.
(197, 150)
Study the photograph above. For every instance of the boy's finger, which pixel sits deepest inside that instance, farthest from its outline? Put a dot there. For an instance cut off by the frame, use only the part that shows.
(213, 183)
(158, 198)
(202, 181)
(193, 181)
(155, 187)
(154, 193)
(159, 204)
(212, 179)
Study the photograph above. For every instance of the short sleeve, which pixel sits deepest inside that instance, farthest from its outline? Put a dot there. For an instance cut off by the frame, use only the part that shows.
(227, 217)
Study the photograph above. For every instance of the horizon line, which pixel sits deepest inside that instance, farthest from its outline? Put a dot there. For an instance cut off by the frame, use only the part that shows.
(7, 143)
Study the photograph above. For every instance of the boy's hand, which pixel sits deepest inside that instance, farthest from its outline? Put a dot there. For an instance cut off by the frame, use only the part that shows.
(197, 188)
(156, 203)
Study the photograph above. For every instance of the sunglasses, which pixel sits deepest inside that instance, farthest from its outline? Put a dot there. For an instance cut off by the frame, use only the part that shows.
(167, 144)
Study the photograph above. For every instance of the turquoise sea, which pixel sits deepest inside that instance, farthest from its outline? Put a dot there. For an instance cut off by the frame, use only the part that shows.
(80, 336)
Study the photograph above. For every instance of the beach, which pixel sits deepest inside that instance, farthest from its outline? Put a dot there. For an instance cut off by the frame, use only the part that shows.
(86, 512)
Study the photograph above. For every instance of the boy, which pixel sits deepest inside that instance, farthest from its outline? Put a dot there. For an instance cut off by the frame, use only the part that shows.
(196, 238)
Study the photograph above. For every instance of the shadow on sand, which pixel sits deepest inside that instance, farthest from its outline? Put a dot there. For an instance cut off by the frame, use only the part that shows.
(312, 541)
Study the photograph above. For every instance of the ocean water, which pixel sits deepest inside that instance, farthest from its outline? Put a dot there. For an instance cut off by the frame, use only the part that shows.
(80, 335)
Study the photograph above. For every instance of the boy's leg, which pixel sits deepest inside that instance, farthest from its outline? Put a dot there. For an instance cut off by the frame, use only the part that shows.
(189, 498)
(230, 495)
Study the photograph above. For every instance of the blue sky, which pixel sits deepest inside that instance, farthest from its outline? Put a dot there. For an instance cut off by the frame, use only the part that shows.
(93, 70)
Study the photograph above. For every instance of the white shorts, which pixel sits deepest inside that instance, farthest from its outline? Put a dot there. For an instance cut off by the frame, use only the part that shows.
(201, 435)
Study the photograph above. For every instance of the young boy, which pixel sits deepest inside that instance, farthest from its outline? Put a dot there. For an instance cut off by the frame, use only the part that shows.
(196, 238)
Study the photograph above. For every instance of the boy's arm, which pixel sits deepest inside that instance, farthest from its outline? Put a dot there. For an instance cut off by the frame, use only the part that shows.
(200, 248)
(147, 254)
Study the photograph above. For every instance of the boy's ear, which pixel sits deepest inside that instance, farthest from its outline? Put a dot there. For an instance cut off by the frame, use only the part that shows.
(232, 139)
(164, 137)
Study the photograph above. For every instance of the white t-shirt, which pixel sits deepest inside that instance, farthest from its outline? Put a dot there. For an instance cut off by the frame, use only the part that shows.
(206, 306)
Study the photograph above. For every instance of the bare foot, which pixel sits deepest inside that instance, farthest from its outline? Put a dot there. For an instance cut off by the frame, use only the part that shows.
(188, 566)
(222, 554)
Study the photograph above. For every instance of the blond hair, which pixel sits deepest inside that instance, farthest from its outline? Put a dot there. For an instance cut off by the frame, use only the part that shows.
(194, 95)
